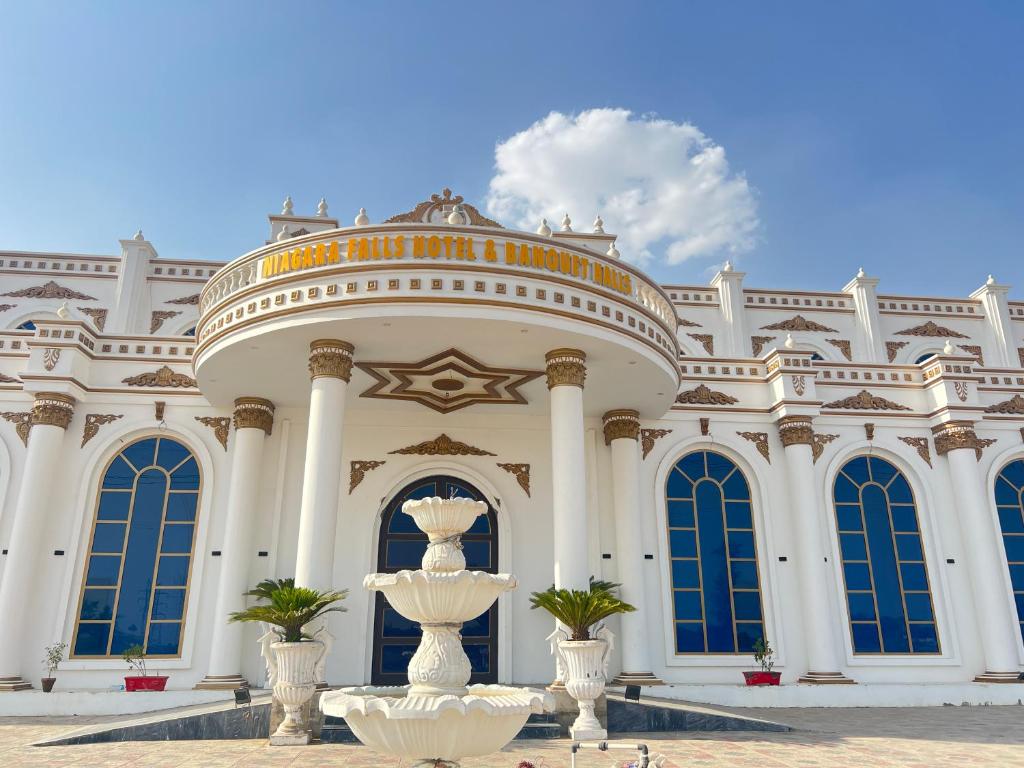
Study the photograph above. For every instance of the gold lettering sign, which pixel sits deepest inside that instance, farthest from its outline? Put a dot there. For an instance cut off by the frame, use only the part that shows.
(449, 248)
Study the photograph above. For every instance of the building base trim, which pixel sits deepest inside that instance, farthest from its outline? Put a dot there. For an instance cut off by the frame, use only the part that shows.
(999, 677)
(14, 683)
(826, 678)
(221, 683)
(636, 678)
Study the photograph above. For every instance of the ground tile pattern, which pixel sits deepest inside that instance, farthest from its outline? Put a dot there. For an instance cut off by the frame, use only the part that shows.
(861, 738)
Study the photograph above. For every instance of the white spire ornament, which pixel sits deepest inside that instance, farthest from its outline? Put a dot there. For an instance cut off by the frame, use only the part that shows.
(613, 252)
(789, 343)
(456, 217)
(860, 272)
(62, 311)
(991, 280)
(321, 208)
(138, 235)
(947, 349)
(287, 207)
(728, 266)
(566, 223)
(362, 219)
(598, 225)
(544, 230)
(283, 234)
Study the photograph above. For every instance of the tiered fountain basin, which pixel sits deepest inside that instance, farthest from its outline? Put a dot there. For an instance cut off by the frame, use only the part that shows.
(436, 716)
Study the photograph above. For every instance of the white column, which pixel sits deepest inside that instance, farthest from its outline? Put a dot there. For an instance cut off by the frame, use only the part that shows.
(813, 572)
(51, 414)
(621, 433)
(254, 419)
(729, 283)
(993, 298)
(957, 441)
(330, 366)
(566, 371)
(864, 292)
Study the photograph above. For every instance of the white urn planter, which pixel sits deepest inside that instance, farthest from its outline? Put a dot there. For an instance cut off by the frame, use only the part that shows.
(586, 668)
(294, 683)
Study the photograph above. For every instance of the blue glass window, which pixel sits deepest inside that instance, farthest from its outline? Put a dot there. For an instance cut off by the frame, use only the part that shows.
(884, 570)
(1010, 505)
(716, 594)
(136, 576)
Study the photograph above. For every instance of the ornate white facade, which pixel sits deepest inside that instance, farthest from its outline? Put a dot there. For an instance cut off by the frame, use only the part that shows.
(174, 431)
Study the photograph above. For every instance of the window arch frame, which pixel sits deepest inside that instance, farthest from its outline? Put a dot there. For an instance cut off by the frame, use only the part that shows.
(745, 457)
(996, 470)
(91, 492)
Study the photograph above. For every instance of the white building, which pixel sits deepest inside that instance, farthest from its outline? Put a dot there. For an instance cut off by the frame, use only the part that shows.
(839, 472)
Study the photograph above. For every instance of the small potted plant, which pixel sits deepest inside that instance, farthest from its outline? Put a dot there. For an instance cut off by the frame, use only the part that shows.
(296, 653)
(53, 655)
(135, 657)
(764, 655)
(584, 654)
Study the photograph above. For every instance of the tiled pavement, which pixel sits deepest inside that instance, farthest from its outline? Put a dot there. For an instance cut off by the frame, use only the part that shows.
(859, 738)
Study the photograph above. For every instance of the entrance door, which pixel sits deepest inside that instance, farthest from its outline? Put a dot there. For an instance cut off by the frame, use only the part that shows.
(401, 546)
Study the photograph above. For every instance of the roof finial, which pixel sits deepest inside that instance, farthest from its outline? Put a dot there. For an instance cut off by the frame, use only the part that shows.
(456, 216)
(283, 234)
(599, 225)
(991, 280)
(947, 349)
(287, 208)
(321, 208)
(728, 266)
(138, 235)
(789, 343)
(362, 219)
(62, 311)
(566, 223)
(613, 252)
(860, 271)
(544, 230)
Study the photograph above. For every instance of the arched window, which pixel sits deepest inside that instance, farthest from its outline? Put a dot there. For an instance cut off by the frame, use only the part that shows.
(190, 332)
(884, 569)
(925, 357)
(816, 356)
(28, 325)
(1010, 504)
(135, 587)
(716, 596)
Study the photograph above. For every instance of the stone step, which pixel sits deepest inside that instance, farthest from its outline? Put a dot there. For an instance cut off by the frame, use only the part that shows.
(337, 734)
(540, 731)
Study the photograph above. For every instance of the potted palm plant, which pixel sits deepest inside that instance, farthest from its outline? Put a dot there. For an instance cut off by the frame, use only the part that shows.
(295, 654)
(764, 655)
(135, 657)
(584, 653)
(53, 655)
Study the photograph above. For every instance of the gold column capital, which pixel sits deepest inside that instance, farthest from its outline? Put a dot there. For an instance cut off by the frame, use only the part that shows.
(621, 423)
(566, 367)
(53, 409)
(254, 413)
(330, 357)
(955, 434)
(795, 430)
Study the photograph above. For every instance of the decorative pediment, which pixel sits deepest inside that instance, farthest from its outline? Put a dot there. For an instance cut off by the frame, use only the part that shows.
(843, 345)
(702, 395)
(798, 323)
(1014, 405)
(99, 316)
(706, 340)
(932, 330)
(162, 377)
(757, 344)
(49, 290)
(436, 210)
(865, 401)
(892, 348)
(158, 317)
(442, 445)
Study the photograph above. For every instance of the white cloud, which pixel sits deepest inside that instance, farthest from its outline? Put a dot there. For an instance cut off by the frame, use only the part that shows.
(664, 188)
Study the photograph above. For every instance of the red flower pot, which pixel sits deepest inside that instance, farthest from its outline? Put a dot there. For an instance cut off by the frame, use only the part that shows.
(762, 678)
(148, 683)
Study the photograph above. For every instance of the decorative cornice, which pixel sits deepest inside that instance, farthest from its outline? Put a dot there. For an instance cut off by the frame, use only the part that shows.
(865, 401)
(702, 395)
(51, 356)
(193, 299)
(760, 440)
(331, 358)
(93, 422)
(798, 323)
(566, 367)
(52, 409)
(442, 445)
(892, 348)
(843, 346)
(621, 424)
(795, 430)
(99, 316)
(521, 472)
(161, 377)
(220, 426)
(647, 438)
(158, 317)
(920, 444)
(22, 421)
(975, 350)
(5, 379)
(357, 471)
(254, 413)
(424, 211)
(706, 340)
(932, 330)
(818, 446)
(757, 344)
(684, 323)
(958, 434)
(799, 384)
(1014, 405)
(49, 290)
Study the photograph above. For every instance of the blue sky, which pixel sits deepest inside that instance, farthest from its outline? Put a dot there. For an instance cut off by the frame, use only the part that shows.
(887, 135)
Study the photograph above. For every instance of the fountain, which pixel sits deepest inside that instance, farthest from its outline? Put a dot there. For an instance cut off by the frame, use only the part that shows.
(436, 718)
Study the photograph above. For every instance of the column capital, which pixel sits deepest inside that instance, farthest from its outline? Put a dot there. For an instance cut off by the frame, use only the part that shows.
(955, 434)
(254, 413)
(566, 367)
(330, 357)
(623, 423)
(53, 408)
(795, 430)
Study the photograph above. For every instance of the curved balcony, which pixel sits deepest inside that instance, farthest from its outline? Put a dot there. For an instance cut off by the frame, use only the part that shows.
(400, 292)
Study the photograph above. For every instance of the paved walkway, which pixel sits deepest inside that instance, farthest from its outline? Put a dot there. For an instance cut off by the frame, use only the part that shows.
(858, 738)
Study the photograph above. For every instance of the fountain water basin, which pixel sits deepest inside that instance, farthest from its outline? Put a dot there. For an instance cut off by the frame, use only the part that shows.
(437, 717)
